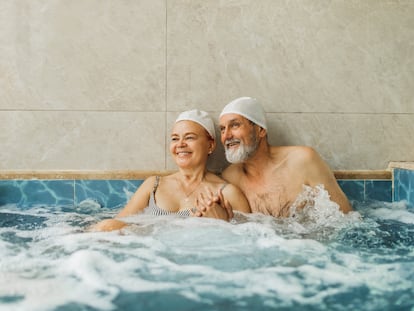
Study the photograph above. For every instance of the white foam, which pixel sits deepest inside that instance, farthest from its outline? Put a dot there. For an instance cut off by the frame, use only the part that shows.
(89, 205)
(286, 262)
(393, 211)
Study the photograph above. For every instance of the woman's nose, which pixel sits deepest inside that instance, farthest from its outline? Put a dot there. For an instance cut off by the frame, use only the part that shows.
(181, 142)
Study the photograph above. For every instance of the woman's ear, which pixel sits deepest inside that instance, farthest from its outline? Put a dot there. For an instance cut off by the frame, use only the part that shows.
(212, 146)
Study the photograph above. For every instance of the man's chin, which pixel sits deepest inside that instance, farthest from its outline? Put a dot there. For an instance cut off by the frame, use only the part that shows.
(233, 160)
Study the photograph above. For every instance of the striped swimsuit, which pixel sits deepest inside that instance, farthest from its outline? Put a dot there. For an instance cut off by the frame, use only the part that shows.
(154, 209)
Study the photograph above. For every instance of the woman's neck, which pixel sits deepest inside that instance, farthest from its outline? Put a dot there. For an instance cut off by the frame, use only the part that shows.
(190, 176)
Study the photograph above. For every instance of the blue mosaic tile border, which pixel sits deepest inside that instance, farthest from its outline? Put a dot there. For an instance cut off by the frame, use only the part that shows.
(107, 193)
(404, 186)
(116, 193)
(64, 193)
(366, 190)
(27, 193)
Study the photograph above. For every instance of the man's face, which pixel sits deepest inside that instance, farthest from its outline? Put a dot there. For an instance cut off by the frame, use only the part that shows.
(239, 137)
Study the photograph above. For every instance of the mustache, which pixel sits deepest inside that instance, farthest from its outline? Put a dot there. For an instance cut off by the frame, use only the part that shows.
(231, 141)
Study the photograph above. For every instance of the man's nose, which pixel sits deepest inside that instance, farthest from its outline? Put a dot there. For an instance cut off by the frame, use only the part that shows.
(225, 134)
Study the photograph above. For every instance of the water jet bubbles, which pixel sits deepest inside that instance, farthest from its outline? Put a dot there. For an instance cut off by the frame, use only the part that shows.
(319, 259)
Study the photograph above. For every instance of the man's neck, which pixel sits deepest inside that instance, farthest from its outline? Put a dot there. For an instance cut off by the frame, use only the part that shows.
(255, 166)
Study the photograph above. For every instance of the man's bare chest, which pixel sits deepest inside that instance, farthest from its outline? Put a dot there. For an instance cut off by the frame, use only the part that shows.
(273, 198)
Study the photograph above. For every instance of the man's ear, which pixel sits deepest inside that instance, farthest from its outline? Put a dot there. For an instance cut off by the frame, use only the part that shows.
(262, 132)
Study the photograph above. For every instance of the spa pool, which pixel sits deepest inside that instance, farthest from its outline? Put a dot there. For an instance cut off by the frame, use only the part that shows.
(317, 259)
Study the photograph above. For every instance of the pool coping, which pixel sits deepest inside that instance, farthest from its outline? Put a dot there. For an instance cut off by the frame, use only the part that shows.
(407, 165)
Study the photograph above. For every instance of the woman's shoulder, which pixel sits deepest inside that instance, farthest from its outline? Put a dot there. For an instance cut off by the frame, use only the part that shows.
(236, 197)
(230, 189)
(159, 178)
(211, 177)
(216, 181)
(151, 179)
(148, 184)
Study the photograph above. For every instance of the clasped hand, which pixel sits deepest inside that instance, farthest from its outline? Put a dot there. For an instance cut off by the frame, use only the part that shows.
(212, 205)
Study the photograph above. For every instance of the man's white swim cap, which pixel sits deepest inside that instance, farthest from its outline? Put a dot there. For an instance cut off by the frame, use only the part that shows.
(201, 117)
(249, 108)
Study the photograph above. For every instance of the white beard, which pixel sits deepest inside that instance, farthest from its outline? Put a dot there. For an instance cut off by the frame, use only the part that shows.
(243, 152)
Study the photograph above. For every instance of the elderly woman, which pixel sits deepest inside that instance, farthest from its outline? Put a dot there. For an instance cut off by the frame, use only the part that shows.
(192, 188)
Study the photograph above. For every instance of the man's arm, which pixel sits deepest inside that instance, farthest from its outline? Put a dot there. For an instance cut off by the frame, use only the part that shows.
(318, 172)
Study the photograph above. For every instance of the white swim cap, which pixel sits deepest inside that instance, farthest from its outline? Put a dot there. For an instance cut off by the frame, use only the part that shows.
(201, 117)
(249, 108)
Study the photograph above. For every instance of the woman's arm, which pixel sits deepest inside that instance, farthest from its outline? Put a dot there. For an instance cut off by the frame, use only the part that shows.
(139, 200)
(236, 198)
(135, 205)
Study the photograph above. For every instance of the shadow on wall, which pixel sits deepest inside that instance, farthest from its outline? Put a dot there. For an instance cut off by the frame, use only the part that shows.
(217, 161)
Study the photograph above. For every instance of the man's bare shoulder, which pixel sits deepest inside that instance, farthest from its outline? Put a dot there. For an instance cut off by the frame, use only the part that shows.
(296, 155)
(308, 163)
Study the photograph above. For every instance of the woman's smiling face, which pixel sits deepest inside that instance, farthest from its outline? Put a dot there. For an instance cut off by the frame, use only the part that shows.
(190, 144)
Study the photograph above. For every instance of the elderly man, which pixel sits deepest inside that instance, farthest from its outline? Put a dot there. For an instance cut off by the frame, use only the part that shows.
(271, 177)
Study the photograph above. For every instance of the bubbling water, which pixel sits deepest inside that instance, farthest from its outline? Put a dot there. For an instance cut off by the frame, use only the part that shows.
(316, 259)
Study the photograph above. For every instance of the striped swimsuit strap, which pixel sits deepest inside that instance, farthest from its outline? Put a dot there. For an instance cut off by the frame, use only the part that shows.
(155, 210)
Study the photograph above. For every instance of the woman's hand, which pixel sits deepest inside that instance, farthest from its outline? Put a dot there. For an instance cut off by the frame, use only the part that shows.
(108, 225)
(213, 206)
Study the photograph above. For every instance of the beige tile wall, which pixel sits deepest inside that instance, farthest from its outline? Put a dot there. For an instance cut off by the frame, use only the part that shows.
(96, 84)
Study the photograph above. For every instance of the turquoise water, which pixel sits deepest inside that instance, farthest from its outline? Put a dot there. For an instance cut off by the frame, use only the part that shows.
(317, 259)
